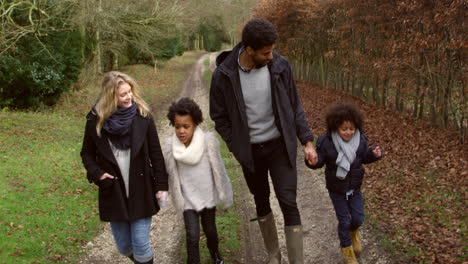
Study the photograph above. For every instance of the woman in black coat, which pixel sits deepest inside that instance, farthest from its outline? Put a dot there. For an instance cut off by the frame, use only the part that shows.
(122, 155)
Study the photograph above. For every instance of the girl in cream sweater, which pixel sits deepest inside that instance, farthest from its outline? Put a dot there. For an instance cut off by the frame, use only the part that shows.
(198, 181)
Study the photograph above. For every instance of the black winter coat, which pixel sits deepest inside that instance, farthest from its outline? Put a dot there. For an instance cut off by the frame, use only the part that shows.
(147, 171)
(227, 107)
(327, 156)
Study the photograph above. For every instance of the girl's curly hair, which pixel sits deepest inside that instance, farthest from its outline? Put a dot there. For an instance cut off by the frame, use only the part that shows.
(185, 106)
(339, 113)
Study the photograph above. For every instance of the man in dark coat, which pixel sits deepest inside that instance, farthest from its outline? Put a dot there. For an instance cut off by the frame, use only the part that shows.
(256, 109)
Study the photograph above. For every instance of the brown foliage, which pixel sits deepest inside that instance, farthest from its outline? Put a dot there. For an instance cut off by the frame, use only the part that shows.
(407, 54)
(417, 193)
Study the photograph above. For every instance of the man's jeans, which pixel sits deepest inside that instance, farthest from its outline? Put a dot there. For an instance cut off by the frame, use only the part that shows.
(272, 157)
(134, 238)
(349, 212)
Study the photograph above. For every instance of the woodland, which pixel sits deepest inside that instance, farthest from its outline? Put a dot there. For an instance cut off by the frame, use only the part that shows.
(51, 47)
(408, 55)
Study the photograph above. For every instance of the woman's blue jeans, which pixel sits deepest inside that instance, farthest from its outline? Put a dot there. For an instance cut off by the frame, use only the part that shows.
(350, 214)
(134, 238)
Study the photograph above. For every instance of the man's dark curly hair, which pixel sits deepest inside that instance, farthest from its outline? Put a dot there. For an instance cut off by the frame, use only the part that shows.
(258, 33)
(185, 106)
(339, 113)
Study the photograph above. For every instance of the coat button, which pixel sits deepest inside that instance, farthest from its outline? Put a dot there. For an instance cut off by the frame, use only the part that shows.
(141, 174)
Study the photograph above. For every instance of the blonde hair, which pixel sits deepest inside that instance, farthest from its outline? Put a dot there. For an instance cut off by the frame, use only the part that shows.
(108, 98)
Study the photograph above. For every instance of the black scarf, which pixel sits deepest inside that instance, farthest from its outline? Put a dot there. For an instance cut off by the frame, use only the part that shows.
(118, 126)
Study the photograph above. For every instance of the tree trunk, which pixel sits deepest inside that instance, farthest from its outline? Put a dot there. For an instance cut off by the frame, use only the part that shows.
(343, 81)
(98, 44)
(348, 82)
(327, 66)
(399, 98)
(432, 107)
(322, 71)
(115, 64)
(447, 90)
(384, 92)
(375, 90)
(360, 91)
(416, 97)
(422, 101)
(353, 85)
(335, 80)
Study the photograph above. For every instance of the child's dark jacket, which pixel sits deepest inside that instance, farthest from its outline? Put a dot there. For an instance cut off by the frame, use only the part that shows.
(327, 155)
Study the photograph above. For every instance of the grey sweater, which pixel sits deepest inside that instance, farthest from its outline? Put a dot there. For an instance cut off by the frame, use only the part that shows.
(256, 90)
(123, 160)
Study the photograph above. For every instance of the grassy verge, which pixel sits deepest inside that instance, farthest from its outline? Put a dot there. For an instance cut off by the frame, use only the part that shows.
(47, 207)
(48, 211)
(429, 210)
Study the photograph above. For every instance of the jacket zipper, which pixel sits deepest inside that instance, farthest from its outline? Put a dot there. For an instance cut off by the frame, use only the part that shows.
(236, 94)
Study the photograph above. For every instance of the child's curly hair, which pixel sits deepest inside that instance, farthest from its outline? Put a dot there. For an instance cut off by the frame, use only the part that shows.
(185, 106)
(339, 113)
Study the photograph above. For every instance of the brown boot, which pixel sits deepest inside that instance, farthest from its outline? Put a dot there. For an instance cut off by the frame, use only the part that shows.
(356, 242)
(294, 243)
(270, 238)
(348, 255)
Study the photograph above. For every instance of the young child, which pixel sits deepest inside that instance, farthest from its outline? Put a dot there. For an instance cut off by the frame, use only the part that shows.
(197, 177)
(343, 149)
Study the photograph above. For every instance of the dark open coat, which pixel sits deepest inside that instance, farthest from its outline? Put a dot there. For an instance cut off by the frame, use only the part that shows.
(147, 171)
(227, 107)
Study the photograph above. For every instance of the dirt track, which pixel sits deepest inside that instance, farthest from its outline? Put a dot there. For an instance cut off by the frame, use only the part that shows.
(319, 222)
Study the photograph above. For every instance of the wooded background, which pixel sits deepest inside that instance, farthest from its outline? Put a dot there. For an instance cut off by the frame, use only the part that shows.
(47, 46)
(409, 55)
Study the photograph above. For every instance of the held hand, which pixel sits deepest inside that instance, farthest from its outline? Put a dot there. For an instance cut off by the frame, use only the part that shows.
(377, 152)
(312, 163)
(162, 197)
(160, 194)
(106, 175)
(310, 154)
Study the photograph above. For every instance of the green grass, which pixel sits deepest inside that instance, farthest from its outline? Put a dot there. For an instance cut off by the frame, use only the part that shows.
(48, 210)
(206, 62)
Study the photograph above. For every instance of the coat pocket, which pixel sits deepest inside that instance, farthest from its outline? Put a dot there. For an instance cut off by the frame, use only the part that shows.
(106, 183)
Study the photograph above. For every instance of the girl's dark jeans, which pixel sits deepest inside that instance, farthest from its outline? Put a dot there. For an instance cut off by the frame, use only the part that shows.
(350, 214)
(272, 158)
(192, 228)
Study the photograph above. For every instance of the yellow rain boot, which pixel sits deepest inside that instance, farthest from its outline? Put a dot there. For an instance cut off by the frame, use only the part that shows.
(348, 255)
(356, 242)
